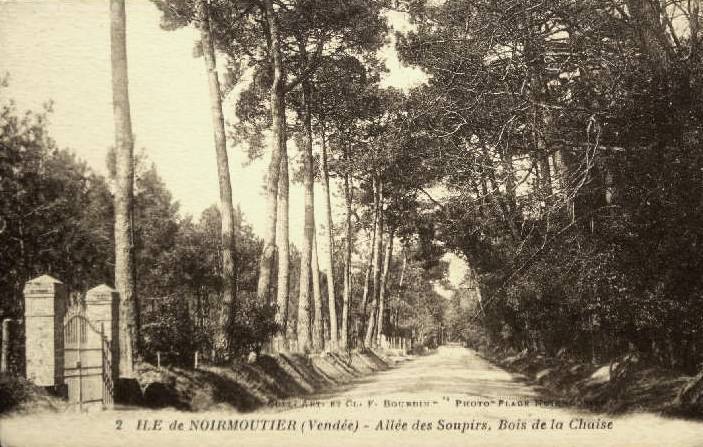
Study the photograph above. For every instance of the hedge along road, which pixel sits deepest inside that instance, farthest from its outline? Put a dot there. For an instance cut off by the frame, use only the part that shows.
(452, 397)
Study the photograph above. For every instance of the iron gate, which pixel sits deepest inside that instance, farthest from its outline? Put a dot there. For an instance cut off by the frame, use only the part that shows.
(88, 371)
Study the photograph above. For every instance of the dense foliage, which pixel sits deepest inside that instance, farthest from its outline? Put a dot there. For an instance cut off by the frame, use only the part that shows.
(54, 211)
(56, 219)
(570, 136)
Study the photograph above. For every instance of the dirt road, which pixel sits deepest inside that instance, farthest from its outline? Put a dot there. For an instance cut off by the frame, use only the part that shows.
(453, 397)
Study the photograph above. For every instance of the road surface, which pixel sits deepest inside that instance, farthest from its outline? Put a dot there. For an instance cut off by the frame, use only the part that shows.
(452, 397)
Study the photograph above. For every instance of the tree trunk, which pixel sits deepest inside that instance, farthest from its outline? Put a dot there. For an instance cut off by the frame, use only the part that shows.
(540, 119)
(368, 339)
(382, 286)
(694, 26)
(369, 269)
(278, 131)
(545, 171)
(402, 268)
(327, 258)
(124, 193)
(494, 196)
(318, 325)
(399, 294)
(282, 290)
(609, 188)
(308, 232)
(372, 248)
(510, 184)
(561, 169)
(344, 339)
(647, 21)
(229, 279)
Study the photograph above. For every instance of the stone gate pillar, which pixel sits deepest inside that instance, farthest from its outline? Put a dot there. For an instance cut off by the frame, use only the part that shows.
(102, 310)
(44, 308)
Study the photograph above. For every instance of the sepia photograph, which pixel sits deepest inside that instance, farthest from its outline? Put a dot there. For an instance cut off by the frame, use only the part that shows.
(351, 223)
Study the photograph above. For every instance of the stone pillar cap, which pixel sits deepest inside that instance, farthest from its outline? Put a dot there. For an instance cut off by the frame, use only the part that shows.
(102, 288)
(43, 284)
(44, 279)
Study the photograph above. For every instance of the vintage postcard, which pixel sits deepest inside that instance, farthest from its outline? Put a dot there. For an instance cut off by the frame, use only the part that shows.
(351, 223)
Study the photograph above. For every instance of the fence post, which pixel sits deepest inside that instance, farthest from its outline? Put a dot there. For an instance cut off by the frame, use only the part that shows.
(158, 359)
(196, 360)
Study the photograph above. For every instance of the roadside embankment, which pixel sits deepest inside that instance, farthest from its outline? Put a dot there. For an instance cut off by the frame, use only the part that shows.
(242, 385)
(625, 385)
(20, 396)
(246, 386)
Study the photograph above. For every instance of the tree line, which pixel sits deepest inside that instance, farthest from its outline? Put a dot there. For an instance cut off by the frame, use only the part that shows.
(58, 218)
(211, 285)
